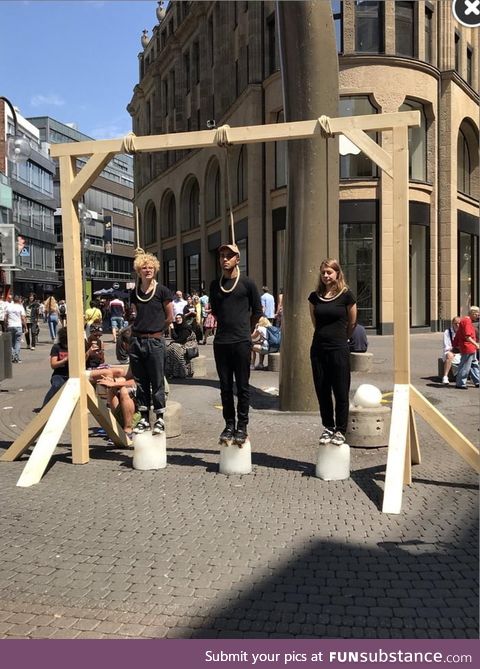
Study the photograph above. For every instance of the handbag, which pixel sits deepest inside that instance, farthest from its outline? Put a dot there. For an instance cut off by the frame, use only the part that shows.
(191, 352)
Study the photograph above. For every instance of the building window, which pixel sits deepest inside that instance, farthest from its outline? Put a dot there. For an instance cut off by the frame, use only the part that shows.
(242, 173)
(280, 157)
(417, 143)
(196, 62)
(457, 51)
(358, 244)
(150, 231)
(357, 166)
(418, 275)
(272, 59)
(192, 272)
(186, 69)
(468, 276)
(428, 35)
(369, 26)
(212, 191)
(211, 40)
(190, 207)
(469, 65)
(168, 215)
(337, 11)
(464, 165)
(405, 32)
(171, 274)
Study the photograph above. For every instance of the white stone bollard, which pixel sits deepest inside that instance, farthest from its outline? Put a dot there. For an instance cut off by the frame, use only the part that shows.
(149, 451)
(235, 460)
(333, 462)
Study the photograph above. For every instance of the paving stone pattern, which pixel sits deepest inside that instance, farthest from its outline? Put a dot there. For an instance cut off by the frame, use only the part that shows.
(104, 551)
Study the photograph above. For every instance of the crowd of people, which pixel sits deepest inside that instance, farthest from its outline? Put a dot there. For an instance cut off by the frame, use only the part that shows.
(158, 333)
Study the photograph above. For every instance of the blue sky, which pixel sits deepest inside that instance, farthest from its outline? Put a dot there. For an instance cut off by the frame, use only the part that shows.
(73, 60)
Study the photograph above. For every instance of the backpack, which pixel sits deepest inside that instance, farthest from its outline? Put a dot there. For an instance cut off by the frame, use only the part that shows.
(274, 338)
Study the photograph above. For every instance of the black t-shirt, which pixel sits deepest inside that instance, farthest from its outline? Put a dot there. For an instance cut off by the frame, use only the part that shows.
(150, 315)
(331, 320)
(234, 310)
(60, 353)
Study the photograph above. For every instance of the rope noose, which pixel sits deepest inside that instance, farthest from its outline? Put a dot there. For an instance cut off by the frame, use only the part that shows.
(221, 138)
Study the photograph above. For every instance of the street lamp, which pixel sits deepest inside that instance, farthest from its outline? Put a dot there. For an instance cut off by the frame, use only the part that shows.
(18, 146)
(85, 218)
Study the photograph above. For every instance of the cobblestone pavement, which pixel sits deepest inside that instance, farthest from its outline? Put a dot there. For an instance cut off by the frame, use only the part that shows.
(104, 551)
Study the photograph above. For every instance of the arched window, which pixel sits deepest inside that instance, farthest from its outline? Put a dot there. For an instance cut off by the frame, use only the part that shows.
(463, 164)
(280, 157)
(190, 205)
(168, 215)
(212, 191)
(150, 229)
(242, 187)
(417, 143)
(355, 164)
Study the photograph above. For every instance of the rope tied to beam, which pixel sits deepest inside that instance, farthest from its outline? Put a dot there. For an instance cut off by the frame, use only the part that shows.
(221, 138)
(128, 143)
(325, 128)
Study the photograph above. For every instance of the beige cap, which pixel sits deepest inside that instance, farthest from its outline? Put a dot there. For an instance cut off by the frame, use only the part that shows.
(233, 247)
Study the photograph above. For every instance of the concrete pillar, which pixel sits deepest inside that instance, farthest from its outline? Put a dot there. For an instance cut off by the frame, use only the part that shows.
(310, 87)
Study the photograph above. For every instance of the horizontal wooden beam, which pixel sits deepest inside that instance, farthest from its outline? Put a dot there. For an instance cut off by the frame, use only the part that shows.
(243, 135)
(445, 429)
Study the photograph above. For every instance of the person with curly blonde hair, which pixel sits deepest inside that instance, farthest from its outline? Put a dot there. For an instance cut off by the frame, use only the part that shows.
(154, 313)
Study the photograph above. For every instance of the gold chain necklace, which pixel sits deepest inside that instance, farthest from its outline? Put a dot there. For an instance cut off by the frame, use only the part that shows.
(142, 299)
(230, 290)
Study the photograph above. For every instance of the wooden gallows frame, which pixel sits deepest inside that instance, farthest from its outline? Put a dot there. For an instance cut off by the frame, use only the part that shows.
(74, 401)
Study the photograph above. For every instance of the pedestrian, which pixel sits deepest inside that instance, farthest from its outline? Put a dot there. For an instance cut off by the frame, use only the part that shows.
(117, 314)
(3, 306)
(235, 303)
(153, 303)
(179, 303)
(178, 363)
(62, 313)
(451, 355)
(16, 324)
(467, 343)
(333, 311)
(31, 306)
(260, 343)
(358, 341)
(92, 316)
(51, 313)
(268, 304)
(59, 364)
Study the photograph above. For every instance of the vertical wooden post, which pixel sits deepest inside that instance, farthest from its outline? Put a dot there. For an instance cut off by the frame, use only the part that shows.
(72, 252)
(401, 254)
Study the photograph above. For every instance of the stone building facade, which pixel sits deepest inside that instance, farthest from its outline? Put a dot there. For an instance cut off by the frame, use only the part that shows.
(218, 61)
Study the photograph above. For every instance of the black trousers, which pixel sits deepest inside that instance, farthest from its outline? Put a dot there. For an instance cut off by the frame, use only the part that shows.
(147, 362)
(331, 374)
(233, 361)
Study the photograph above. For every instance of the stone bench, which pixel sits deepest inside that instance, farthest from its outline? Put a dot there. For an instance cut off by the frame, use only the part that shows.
(361, 362)
(451, 373)
(274, 362)
(199, 366)
(368, 427)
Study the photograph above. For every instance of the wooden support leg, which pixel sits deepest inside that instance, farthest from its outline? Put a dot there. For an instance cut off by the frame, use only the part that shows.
(445, 429)
(31, 432)
(414, 442)
(105, 418)
(51, 434)
(397, 447)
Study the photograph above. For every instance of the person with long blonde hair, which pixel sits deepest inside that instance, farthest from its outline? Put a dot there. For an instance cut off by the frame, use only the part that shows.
(333, 311)
(154, 313)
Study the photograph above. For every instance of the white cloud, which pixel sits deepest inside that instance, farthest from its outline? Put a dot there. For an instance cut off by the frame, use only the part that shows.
(110, 131)
(51, 100)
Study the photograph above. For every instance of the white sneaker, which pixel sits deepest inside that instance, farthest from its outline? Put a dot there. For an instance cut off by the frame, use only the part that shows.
(326, 436)
(445, 381)
(338, 439)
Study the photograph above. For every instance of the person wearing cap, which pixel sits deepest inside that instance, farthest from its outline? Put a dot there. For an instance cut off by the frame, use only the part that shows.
(154, 313)
(268, 304)
(235, 303)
